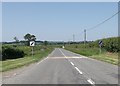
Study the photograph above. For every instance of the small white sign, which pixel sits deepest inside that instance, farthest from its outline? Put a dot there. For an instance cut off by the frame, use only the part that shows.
(32, 43)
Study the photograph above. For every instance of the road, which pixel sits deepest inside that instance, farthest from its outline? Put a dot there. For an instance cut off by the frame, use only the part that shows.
(65, 67)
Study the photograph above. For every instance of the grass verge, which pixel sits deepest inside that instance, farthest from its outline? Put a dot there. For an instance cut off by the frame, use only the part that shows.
(94, 53)
(107, 57)
(17, 63)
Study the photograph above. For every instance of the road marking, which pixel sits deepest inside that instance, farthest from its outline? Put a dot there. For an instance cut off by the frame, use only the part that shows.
(72, 63)
(83, 57)
(45, 58)
(72, 57)
(63, 53)
(42, 61)
(91, 82)
(14, 74)
(11, 75)
(78, 70)
(6, 76)
(52, 53)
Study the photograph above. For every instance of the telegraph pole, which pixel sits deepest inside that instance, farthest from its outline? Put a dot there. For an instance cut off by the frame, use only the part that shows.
(73, 38)
(84, 36)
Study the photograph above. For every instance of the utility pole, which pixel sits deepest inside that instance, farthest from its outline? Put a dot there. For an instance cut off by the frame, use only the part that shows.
(84, 36)
(73, 38)
(69, 41)
(32, 52)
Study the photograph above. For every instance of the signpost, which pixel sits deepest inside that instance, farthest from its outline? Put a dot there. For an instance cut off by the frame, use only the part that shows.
(100, 45)
(32, 44)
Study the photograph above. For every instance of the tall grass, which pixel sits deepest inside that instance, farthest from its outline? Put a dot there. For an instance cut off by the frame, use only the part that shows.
(94, 52)
(39, 53)
(83, 50)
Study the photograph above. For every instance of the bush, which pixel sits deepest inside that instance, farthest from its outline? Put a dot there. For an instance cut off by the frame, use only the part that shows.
(11, 53)
(0, 52)
(109, 44)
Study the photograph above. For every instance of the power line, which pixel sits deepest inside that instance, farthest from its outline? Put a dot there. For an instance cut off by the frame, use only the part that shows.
(103, 21)
(98, 25)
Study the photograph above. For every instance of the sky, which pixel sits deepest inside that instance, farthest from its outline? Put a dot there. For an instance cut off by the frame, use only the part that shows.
(0, 22)
(58, 21)
(60, 0)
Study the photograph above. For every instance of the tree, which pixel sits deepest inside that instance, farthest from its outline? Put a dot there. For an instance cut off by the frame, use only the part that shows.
(28, 37)
(33, 38)
(45, 43)
(16, 39)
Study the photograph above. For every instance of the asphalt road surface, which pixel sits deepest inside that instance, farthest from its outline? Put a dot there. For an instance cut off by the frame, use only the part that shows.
(65, 67)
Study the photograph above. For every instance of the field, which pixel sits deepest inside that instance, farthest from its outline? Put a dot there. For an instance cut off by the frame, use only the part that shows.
(109, 52)
(94, 52)
(39, 53)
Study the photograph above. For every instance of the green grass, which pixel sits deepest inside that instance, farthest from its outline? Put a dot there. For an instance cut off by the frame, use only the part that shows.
(107, 57)
(80, 49)
(28, 59)
(94, 53)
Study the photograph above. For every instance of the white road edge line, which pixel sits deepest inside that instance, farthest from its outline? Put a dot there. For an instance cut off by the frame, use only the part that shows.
(45, 58)
(78, 70)
(72, 63)
(14, 74)
(52, 52)
(41, 61)
(91, 82)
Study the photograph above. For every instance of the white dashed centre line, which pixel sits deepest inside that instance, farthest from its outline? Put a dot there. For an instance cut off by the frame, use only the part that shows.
(91, 82)
(72, 63)
(78, 70)
(63, 53)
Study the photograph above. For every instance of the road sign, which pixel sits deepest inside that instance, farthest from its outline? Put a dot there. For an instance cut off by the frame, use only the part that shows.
(32, 43)
(100, 45)
(100, 42)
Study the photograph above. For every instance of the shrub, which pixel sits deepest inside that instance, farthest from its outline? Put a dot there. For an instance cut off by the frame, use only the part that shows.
(11, 53)
(0, 55)
(109, 44)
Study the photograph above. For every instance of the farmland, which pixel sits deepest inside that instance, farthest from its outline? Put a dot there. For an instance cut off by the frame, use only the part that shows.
(109, 52)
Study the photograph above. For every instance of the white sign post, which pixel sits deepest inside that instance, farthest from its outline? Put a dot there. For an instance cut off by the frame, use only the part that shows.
(32, 44)
(100, 45)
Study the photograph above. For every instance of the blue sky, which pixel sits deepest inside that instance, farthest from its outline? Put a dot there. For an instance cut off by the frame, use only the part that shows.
(58, 21)
(0, 22)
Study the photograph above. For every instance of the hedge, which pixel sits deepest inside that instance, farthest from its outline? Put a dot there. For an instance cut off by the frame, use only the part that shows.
(11, 53)
(109, 44)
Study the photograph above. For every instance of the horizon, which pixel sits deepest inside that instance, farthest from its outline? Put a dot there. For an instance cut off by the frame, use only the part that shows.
(59, 40)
